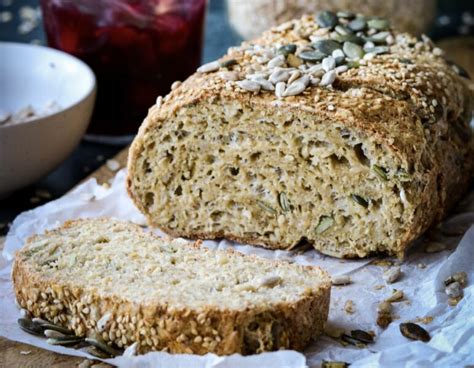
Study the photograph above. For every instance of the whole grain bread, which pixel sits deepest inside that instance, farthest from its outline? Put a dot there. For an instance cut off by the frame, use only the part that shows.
(111, 280)
(354, 159)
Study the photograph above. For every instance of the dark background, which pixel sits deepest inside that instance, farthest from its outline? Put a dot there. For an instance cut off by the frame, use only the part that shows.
(218, 37)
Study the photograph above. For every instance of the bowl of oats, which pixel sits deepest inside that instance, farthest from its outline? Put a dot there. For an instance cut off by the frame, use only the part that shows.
(46, 105)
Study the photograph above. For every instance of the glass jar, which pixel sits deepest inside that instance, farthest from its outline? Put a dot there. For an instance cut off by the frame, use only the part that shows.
(137, 48)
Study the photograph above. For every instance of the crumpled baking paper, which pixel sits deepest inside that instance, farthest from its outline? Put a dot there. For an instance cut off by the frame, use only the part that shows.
(451, 328)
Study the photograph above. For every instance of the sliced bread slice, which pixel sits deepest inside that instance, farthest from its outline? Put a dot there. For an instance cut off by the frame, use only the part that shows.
(108, 279)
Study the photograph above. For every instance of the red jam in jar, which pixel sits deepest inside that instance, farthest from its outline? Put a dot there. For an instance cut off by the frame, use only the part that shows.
(137, 49)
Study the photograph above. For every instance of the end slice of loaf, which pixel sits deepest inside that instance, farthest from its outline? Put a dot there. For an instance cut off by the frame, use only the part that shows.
(110, 279)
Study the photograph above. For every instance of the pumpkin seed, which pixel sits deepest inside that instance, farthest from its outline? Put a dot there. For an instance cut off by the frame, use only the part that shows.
(358, 24)
(405, 61)
(345, 14)
(29, 326)
(326, 46)
(362, 336)
(266, 207)
(353, 64)
(378, 38)
(333, 364)
(294, 61)
(326, 19)
(287, 49)
(348, 38)
(459, 70)
(378, 50)
(92, 350)
(311, 56)
(49, 326)
(380, 171)
(228, 63)
(353, 341)
(414, 332)
(360, 200)
(284, 203)
(325, 222)
(67, 340)
(353, 50)
(102, 346)
(343, 30)
(379, 24)
(460, 277)
(53, 333)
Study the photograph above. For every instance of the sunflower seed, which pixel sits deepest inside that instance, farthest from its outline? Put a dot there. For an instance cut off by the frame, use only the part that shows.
(326, 19)
(325, 222)
(67, 340)
(339, 56)
(328, 78)
(362, 336)
(112, 165)
(341, 69)
(228, 63)
(294, 89)
(287, 49)
(249, 85)
(392, 275)
(209, 67)
(303, 79)
(357, 24)
(99, 344)
(329, 63)
(279, 75)
(311, 56)
(353, 50)
(175, 85)
(454, 290)
(414, 332)
(334, 364)
(396, 296)
(284, 203)
(102, 322)
(294, 61)
(280, 89)
(379, 24)
(341, 280)
(271, 281)
(53, 334)
(276, 61)
(360, 200)
(29, 326)
(265, 84)
(460, 277)
(294, 75)
(327, 47)
(228, 76)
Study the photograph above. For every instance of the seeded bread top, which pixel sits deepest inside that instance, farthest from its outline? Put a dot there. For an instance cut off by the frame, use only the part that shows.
(387, 84)
(112, 258)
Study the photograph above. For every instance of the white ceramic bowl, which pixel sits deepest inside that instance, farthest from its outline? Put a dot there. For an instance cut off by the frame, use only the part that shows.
(35, 75)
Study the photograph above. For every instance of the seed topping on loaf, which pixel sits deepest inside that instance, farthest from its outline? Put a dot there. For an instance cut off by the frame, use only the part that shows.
(318, 51)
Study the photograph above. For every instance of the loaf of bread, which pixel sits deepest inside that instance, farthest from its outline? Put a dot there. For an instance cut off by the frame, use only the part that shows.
(110, 280)
(333, 130)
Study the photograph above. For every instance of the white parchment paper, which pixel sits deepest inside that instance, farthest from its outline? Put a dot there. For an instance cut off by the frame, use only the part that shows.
(451, 328)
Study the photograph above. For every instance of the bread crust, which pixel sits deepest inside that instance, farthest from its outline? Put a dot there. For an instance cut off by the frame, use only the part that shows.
(432, 106)
(158, 326)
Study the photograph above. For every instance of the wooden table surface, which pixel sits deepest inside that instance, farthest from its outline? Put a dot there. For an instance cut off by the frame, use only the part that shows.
(17, 355)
